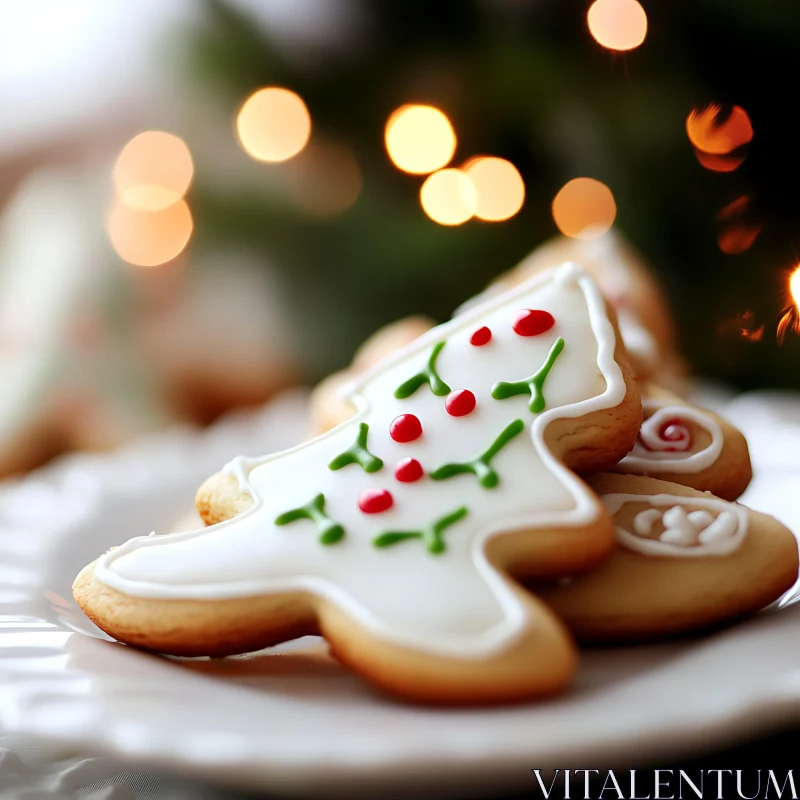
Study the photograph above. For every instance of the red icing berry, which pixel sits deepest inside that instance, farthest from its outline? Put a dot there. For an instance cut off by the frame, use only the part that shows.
(405, 428)
(480, 337)
(408, 470)
(460, 403)
(532, 322)
(374, 501)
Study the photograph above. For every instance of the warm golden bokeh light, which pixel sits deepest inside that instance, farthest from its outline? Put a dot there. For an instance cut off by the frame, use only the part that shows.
(499, 187)
(794, 287)
(790, 321)
(617, 24)
(448, 197)
(419, 139)
(708, 134)
(325, 180)
(153, 171)
(584, 208)
(273, 124)
(149, 238)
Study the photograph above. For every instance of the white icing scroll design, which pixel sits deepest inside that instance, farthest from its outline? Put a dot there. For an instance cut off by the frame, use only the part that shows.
(652, 453)
(693, 526)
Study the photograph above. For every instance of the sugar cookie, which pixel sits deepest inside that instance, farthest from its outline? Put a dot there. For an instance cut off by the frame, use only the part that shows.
(688, 445)
(394, 534)
(685, 560)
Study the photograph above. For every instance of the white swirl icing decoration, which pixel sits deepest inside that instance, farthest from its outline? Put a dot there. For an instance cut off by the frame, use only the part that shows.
(712, 528)
(652, 453)
(456, 602)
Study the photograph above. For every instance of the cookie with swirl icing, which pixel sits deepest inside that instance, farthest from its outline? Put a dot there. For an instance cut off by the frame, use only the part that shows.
(685, 561)
(689, 445)
(396, 534)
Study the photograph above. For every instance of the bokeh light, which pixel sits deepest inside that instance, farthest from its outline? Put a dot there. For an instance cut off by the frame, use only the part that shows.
(153, 171)
(448, 197)
(790, 321)
(737, 239)
(325, 180)
(499, 187)
(738, 233)
(719, 163)
(743, 325)
(584, 208)
(419, 139)
(273, 124)
(735, 209)
(617, 24)
(794, 287)
(148, 238)
(709, 134)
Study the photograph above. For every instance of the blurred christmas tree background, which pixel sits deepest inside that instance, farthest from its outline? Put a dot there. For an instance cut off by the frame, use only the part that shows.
(526, 81)
(205, 201)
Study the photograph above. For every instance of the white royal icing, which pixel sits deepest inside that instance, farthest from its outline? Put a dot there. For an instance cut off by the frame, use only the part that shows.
(454, 602)
(671, 456)
(713, 528)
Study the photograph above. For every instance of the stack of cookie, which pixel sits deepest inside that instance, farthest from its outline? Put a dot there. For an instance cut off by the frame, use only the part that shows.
(482, 494)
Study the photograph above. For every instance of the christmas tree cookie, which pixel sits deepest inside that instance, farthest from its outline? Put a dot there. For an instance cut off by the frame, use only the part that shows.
(396, 534)
(682, 582)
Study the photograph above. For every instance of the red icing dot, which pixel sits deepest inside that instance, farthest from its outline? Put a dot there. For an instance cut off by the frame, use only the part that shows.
(408, 470)
(480, 337)
(405, 428)
(532, 322)
(374, 501)
(460, 403)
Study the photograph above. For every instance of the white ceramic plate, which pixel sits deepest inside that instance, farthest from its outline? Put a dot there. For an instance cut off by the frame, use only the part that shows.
(298, 723)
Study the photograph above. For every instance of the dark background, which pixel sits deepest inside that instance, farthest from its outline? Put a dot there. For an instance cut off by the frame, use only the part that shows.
(525, 80)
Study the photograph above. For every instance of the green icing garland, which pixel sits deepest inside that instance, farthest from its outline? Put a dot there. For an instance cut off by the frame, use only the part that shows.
(358, 454)
(330, 532)
(481, 467)
(428, 375)
(431, 535)
(534, 384)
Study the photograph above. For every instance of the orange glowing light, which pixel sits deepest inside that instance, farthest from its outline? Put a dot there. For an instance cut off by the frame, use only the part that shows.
(419, 139)
(448, 197)
(737, 238)
(754, 335)
(273, 124)
(617, 24)
(153, 171)
(499, 187)
(708, 131)
(325, 180)
(734, 209)
(743, 325)
(719, 163)
(149, 238)
(584, 208)
(790, 321)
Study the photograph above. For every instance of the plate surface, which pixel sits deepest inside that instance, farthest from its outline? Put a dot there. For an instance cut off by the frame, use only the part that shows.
(299, 724)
